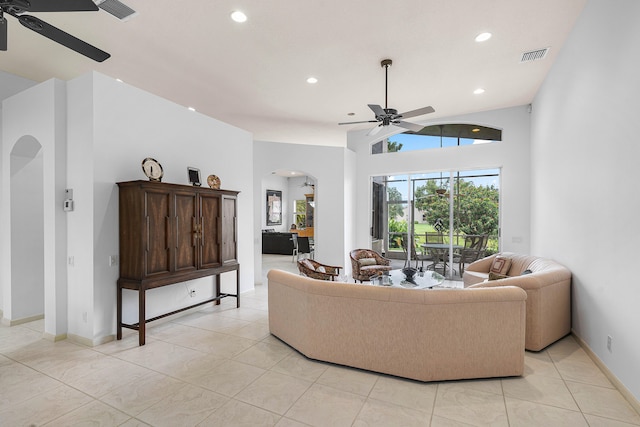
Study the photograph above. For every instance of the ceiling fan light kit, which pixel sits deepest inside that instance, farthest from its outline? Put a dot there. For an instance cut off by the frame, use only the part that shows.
(389, 116)
(17, 8)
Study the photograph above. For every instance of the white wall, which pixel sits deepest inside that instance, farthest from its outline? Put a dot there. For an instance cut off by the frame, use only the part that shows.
(327, 166)
(39, 113)
(111, 128)
(11, 84)
(129, 125)
(512, 156)
(585, 200)
(27, 231)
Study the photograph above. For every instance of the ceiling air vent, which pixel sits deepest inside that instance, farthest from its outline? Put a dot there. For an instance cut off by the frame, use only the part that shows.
(534, 55)
(116, 8)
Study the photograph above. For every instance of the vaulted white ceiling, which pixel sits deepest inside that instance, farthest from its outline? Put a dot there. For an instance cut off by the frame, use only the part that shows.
(253, 75)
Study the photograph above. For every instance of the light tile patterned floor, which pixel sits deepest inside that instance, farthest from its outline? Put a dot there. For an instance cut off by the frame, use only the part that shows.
(220, 367)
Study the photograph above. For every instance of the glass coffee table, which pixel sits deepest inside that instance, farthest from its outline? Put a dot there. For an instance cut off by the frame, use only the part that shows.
(397, 279)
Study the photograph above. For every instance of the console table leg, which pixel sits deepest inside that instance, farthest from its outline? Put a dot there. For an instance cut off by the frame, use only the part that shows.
(119, 313)
(141, 316)
(238, 287)
(217, 289)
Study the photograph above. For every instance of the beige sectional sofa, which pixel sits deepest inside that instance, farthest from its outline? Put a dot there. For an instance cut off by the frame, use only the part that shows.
(426, 335)
(548, 289)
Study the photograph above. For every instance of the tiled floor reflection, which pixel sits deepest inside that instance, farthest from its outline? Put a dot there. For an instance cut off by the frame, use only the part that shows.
(220, 367)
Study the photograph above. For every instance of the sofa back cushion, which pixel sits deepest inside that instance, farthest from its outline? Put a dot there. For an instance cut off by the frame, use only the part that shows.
(519, 263)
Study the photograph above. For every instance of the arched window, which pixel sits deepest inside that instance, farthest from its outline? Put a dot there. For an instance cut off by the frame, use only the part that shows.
(438, 136)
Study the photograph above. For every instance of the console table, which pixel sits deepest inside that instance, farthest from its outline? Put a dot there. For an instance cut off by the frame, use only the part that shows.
(172, 233)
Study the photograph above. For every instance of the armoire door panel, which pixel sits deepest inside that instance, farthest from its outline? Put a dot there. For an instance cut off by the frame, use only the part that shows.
(157, 215)
(209, 226)
(186, 233)
(228, 230)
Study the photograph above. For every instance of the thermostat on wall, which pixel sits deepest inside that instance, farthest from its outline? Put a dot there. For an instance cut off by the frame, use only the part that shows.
(68, 200)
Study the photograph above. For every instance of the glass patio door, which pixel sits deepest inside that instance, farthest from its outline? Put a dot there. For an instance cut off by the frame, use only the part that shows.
(431, 217)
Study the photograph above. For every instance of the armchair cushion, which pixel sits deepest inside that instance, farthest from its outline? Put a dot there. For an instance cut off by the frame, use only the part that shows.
(367, 261)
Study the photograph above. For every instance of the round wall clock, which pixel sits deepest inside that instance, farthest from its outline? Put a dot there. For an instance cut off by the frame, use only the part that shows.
(152, 169)
(213, 181)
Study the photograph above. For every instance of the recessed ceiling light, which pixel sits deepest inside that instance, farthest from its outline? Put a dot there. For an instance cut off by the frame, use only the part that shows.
(475, 130)
(478, 91)
(351, 114)
(312, 80)
(483, 37)
(191, 109)
(238, 16)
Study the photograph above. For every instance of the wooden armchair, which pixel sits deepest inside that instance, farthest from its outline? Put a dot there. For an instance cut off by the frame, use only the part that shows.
(366, 263)
(314, 269)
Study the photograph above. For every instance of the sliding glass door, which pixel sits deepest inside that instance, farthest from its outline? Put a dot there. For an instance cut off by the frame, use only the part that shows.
(431, 219)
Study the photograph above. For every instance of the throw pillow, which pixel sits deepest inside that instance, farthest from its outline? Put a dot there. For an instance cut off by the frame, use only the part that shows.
(308, 264)
(500, 265)
(495, 276)
(321, 269)
(367, 261)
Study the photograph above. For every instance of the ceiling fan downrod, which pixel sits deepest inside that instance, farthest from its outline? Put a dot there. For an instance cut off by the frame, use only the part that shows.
(386, 63)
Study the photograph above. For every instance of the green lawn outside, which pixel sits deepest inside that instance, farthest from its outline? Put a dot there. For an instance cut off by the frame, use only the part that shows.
(420, 230)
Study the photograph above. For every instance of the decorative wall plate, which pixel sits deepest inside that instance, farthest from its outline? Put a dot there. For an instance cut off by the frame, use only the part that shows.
(152, 169)
(213, 181)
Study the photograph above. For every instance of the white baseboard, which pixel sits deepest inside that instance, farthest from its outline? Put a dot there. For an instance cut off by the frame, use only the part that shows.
(15, 322)
(54, 338)
(633, 401)
(87, 342)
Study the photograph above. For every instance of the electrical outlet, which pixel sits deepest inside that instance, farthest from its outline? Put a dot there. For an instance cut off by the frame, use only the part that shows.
(192, 293)
(113, 260)
(71, 261)
(609, 339)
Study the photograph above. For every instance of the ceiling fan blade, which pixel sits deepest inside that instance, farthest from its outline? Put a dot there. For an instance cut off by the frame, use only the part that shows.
(65, 39)
(353, 123)
(377, 110)
(411, 126)
(418, 112)
(56, 5)
(3, 33)
(375, 130)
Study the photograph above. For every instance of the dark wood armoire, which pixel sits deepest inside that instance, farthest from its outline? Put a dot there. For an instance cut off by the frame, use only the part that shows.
(172, 233)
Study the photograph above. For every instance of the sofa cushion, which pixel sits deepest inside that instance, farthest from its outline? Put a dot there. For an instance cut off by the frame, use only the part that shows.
(500, 265)
(367, 261)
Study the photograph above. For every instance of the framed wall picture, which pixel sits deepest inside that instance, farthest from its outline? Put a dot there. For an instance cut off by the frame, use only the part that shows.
(274, 207)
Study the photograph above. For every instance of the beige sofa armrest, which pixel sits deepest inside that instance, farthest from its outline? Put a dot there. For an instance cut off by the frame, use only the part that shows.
(548, 304)
(529, 282)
